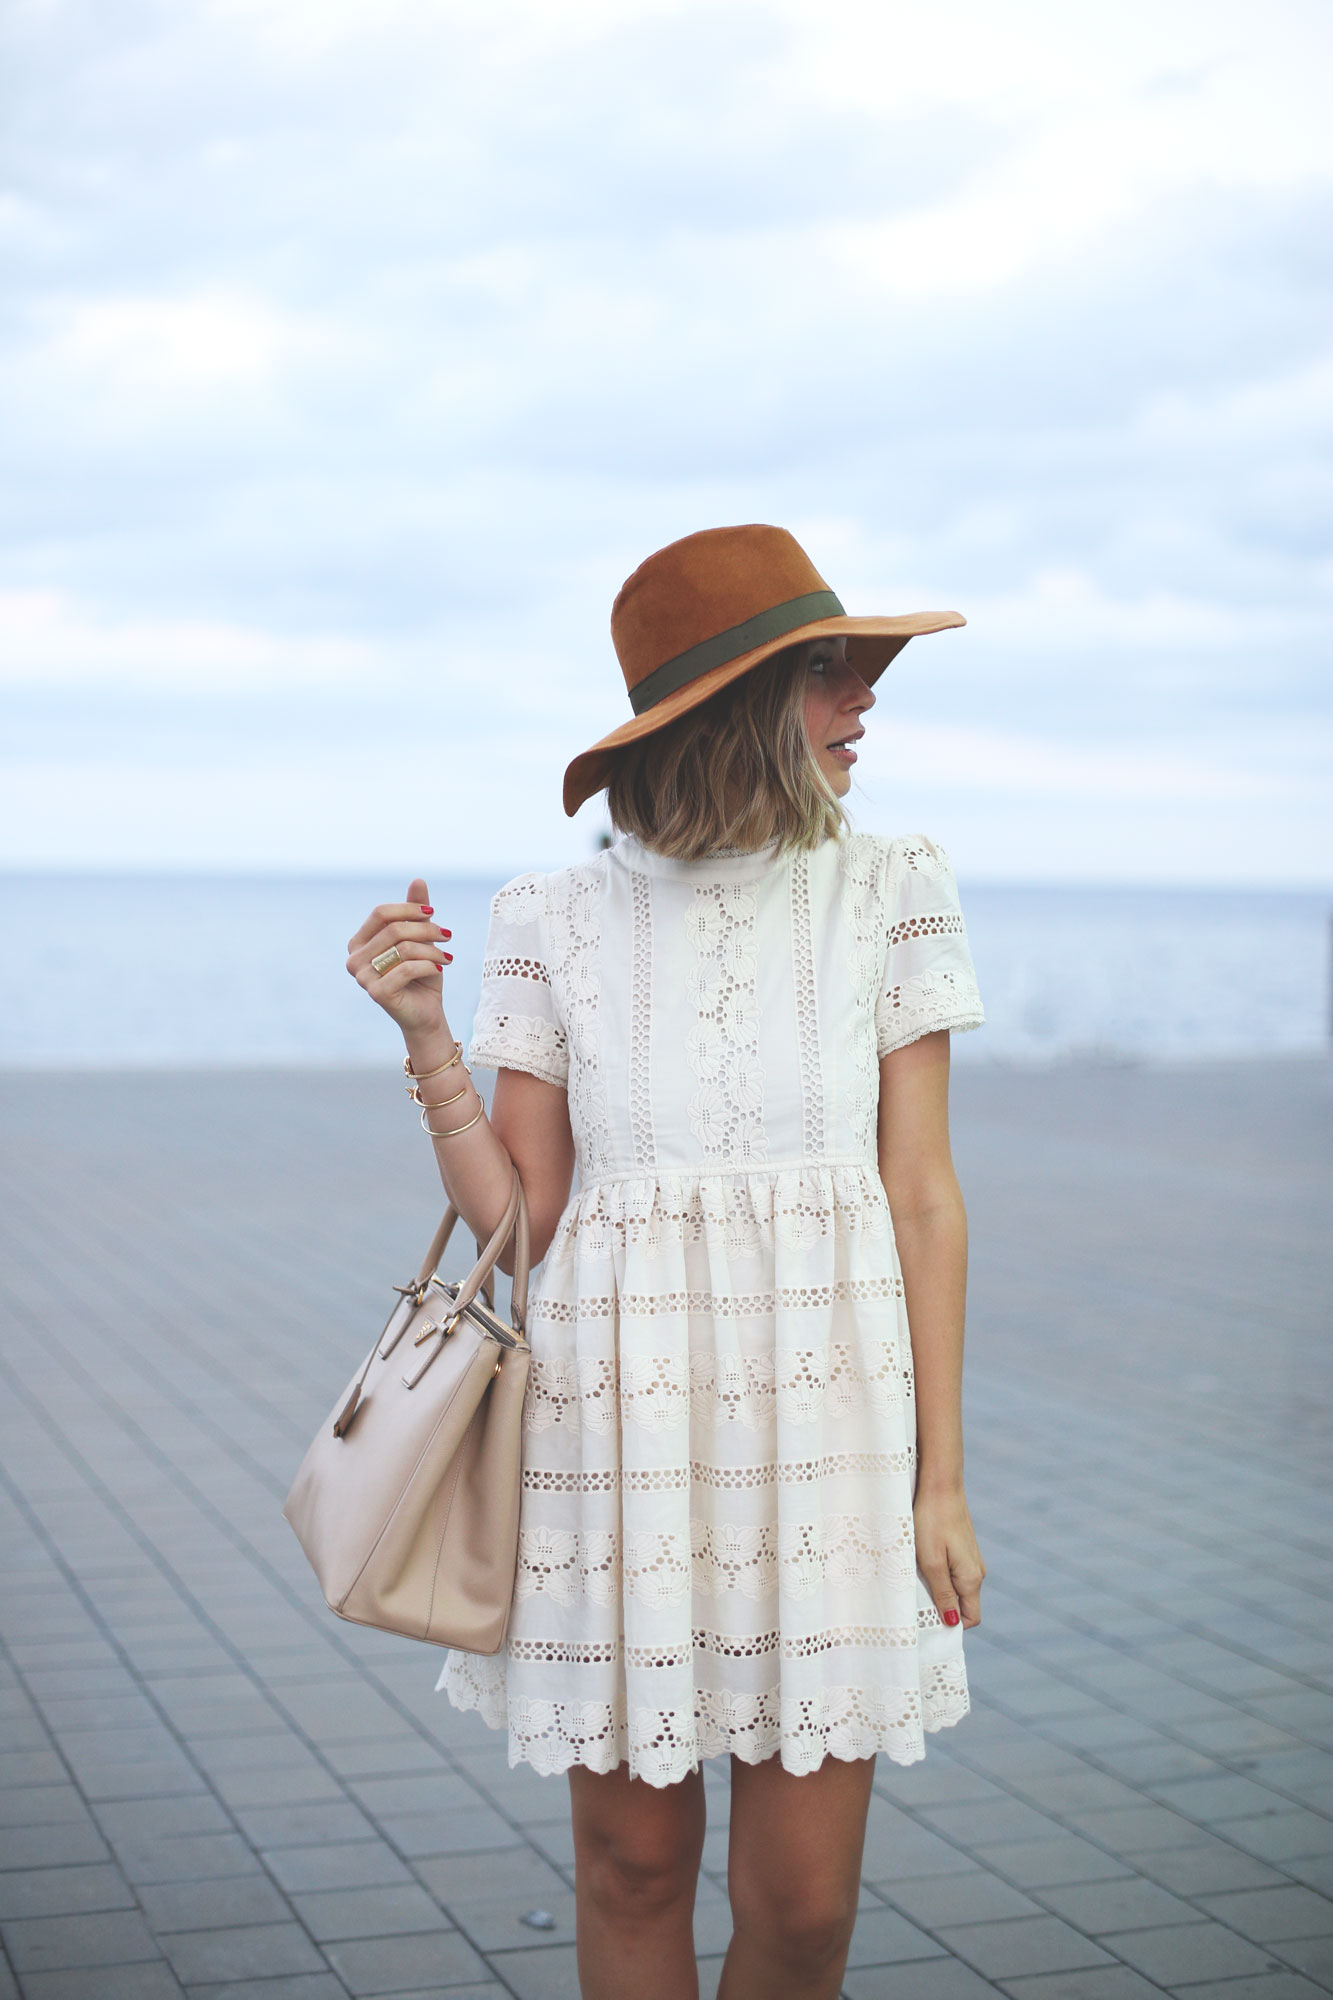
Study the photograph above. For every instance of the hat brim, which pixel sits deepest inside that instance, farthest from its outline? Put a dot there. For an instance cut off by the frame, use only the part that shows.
(871, 644)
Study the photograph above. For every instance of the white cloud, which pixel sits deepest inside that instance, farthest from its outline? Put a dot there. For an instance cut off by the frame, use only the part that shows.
(48, 641)
(996, 762)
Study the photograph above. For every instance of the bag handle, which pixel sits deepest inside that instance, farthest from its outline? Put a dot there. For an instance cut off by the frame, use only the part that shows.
(514, 1222)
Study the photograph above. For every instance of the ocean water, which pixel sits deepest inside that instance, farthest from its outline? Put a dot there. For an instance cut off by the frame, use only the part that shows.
(114, 970)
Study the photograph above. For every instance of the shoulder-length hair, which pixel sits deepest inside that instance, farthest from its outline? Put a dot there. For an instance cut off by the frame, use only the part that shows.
(737, 771)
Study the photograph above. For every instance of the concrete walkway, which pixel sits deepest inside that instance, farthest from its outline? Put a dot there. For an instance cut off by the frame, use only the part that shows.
(212, 1787)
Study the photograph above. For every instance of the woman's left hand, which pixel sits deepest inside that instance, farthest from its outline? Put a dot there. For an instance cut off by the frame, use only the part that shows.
(947, 1554)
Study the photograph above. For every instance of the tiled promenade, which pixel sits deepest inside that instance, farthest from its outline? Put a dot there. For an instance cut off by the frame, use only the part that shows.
(212, 1787)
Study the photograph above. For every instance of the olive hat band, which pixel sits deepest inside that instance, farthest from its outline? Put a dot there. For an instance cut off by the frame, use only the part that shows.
(729, 645)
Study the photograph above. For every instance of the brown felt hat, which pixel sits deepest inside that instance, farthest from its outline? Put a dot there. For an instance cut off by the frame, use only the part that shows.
(705, 610)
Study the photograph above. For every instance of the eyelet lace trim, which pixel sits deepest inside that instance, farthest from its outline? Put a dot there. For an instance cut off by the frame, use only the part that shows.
(800, 1207)
(852, 1720)
(574, 930)
(520, 1041)
(662, 1392)
(862, 861)
(727, 1109)
(641, 989)
(660, 1568)
(718, 1478)
(807, 1010)
(941, 998)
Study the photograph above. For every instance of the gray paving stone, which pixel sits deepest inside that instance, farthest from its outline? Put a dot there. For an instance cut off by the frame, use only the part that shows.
(395, 1910)
(894, 1850)
(408, 1964)
(1192, 1952)
(1101, 1908)
(1022, 1945)
(1313, 1956)
(1103, 1982)
(257, 1786)
(423, 1792)
(44, 1892)
(30, 1767)
(105, 1982)
(41, 1805)
(51, 1846)
(883, 1937)
(139, 1781)
(184, 1857)
(241, 1951)
(1266, 1915)
(383, 1757)
(45, 1944)
(928, 1979)
(417, 1835)
(986, 1824)
(496, 1923)
(1315, 1871)
(1209, 1800)
(350, 1865)
(1143, 1827)
(1035, 1864)
(156, 1819)
(976, 1897)
(295, 1986)
(1287, 1836)
(549, 1974)
(475, 1878)
(490, 1991)
(324, 1822)
(1263, 1986)
(1209, 1869)
(216, 1905)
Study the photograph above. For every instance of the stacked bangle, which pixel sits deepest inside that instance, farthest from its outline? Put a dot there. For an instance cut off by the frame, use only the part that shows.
(426, 1075)
(414, 1092)
(454, 1130)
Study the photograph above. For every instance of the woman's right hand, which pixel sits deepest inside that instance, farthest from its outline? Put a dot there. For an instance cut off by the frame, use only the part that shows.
(411, 991)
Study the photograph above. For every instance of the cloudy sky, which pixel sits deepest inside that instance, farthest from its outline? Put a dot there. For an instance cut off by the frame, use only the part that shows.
(353, 351)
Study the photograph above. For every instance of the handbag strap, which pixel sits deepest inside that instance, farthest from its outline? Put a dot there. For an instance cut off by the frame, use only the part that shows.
(514, 1222)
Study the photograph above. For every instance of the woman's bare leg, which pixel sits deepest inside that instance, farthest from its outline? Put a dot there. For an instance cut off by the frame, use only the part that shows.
(637, 1849)
(793, 1874)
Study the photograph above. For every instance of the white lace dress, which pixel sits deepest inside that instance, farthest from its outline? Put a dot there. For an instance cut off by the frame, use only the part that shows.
(716, 1549)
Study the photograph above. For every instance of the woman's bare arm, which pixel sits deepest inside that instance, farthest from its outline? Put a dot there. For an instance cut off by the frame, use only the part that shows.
(930, 1224)
(528, 1126)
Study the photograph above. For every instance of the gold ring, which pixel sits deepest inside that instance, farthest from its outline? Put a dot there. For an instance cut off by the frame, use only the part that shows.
(386, 959)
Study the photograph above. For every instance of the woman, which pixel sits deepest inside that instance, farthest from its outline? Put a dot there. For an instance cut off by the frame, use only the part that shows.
(743, 1524)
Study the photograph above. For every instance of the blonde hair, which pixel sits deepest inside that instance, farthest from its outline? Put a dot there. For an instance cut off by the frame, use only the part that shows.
(737, 771)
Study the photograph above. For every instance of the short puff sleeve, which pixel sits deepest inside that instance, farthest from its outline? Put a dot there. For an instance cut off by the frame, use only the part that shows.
(517, 1025)
(928, 980)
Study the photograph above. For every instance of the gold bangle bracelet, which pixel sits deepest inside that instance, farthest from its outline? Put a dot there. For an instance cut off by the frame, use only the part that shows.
(455, 1130)
(444, 1100)
(427, 1074)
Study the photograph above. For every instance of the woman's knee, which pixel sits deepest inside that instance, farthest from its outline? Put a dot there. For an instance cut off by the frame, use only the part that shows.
(638, 1878)
(637, 1851)
(810, 1925)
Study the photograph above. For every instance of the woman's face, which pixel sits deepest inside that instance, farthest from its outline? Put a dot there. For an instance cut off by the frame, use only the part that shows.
(836, 698)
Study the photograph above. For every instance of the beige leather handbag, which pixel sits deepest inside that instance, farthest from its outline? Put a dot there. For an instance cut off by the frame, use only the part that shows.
(407, 1501)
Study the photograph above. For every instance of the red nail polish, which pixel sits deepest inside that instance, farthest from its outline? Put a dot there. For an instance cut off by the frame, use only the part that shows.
(448, 957)
(426, 909)
(446, 934)
(949, 1617)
